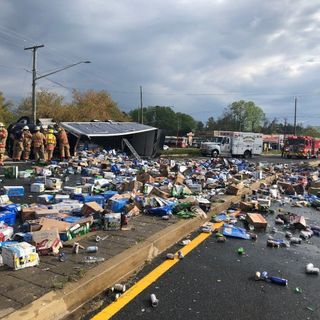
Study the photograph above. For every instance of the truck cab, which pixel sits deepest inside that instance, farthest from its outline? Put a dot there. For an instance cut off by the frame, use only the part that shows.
(211, 148)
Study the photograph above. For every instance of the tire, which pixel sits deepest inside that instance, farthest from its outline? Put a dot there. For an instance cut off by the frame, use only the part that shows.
(215, 153)
(247, 154)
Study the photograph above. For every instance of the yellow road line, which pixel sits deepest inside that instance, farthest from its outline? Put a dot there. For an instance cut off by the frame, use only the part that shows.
(145, 282)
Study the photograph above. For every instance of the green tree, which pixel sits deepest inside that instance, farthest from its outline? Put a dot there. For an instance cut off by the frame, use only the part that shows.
(272, 127)
(200, 126)
(310, 131)
(185, 123)
(211, 124)
(253, 116)
(165, 118)
(6, 115)
(241, 116)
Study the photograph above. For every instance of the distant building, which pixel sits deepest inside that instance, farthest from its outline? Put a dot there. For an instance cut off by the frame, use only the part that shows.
(273, 141)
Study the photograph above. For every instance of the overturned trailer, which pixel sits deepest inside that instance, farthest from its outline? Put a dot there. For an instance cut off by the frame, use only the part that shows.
(132, 137)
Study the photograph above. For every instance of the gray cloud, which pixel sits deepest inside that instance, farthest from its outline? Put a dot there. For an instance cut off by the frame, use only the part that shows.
(197, 56)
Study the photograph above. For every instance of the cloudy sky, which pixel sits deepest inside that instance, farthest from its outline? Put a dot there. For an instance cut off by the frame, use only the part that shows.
(197, 56)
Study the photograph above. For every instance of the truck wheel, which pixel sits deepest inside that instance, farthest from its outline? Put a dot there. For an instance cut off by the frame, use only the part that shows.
(247, 154)
(215, 153)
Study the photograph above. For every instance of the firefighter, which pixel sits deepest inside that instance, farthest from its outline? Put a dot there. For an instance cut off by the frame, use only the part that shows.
(51, 142)
(64, 146)
(3, 140)
(284, 149)
(39, 140)
(27, 140)
(17, 145)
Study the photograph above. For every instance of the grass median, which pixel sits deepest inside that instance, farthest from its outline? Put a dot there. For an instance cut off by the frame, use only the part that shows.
(192, 152)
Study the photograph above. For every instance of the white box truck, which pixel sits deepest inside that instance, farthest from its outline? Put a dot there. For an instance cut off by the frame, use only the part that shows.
(244, 144)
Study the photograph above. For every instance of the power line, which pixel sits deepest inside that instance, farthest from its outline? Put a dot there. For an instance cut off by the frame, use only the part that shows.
(11, 43)
(14, 34)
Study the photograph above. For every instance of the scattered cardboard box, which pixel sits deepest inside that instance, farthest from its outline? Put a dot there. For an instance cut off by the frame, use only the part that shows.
(47, 241)
(257, 220)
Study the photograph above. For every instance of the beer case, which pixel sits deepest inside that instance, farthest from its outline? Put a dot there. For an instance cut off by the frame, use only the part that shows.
(14, 191)
(53, 184)
(8, 217)
(112, 221)
(47, 242)
(6, 232)
(20, 255)
(37, 187)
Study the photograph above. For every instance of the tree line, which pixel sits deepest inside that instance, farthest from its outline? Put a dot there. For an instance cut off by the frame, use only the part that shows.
(85, 106)
(238, 116)
(98, 105)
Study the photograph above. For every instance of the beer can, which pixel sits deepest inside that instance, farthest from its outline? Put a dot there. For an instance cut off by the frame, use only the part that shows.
(280, 281)
(92, 249)
(120, 287)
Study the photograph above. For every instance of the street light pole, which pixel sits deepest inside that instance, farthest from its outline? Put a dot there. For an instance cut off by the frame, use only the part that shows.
(141, 106)
(295, 116)
(35, 78)
(61, 69)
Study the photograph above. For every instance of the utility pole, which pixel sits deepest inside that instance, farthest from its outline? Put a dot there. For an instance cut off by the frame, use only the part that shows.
(285, 127)
(295, 116)
(141, 106)
(178, 129)
(34, 76)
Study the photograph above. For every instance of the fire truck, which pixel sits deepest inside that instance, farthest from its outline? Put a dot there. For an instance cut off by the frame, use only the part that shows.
(301, 147)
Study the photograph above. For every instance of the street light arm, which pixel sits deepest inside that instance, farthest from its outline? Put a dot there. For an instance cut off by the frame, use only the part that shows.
(61, 69)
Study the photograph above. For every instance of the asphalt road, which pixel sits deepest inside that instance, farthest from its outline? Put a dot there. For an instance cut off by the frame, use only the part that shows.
(214, 282)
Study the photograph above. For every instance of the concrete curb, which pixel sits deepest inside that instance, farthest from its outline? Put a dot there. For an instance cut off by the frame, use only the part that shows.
(60, 303)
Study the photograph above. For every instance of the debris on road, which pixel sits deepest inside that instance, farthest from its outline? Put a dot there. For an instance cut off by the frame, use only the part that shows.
(119, 287)
(311, 269)
(170, 256)
(265, 277)
(154, 300)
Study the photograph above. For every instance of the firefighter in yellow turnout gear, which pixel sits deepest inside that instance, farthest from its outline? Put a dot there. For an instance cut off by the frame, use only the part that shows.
(51, 142)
